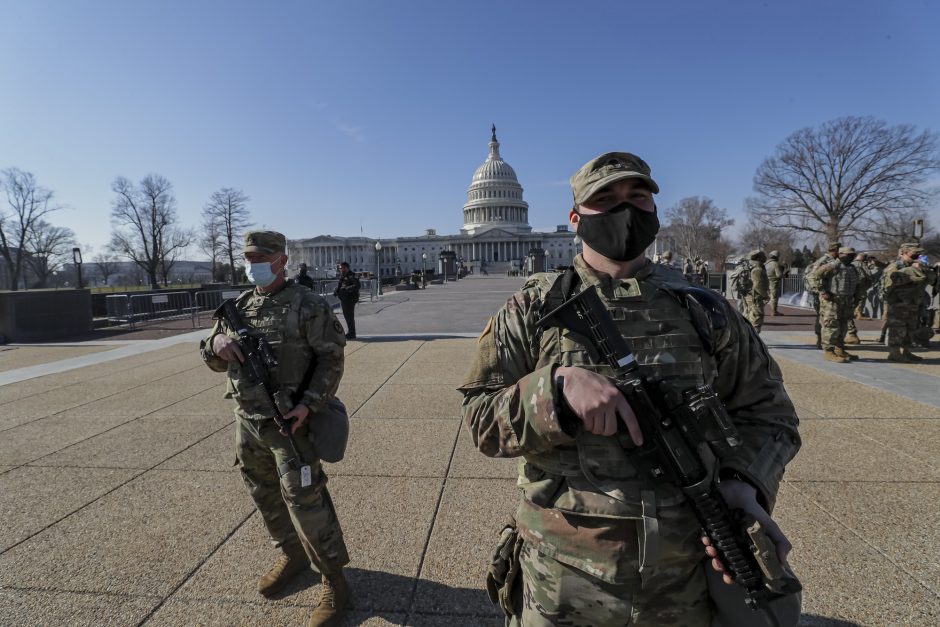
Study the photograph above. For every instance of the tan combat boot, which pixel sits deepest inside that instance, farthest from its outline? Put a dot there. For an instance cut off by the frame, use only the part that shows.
(830, 355)
(334, 594)
(852, 338)
(287, 567)
(841, 352)
(895, 354)
(910, 356)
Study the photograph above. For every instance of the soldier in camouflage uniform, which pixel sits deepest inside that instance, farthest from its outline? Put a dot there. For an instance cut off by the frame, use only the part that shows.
(831, 255)
(904, 284)
(760, 290)
(304, 334)
(774, 273)
(865, 278)
(837, 284)
(629, 551)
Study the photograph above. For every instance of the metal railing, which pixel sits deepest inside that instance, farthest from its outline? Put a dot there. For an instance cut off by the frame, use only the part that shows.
(208, 301)
(164, 306)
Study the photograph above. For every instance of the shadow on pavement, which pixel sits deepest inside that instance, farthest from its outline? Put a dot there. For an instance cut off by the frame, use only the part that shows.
(813, 620)
(386, 595)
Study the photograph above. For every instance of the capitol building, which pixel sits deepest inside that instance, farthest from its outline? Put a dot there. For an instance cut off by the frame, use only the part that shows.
(495, 238)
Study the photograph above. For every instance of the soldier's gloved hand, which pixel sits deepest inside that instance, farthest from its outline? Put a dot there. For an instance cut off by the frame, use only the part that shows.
(227, 348)
(597, 402)
(742, 495)
(296, 418)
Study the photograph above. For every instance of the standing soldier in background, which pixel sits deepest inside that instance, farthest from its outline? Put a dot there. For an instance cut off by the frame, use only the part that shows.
(347, 291)
(831, 256)
(303, 278)
(666, 259)
(905, 282)
(760, 289)
(837, 284)
(688, 269)
(576, 555)
(865, 279)
(307, 341)
(775, 278)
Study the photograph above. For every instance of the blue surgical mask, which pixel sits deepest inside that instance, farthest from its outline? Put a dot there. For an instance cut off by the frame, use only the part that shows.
(924, 259)
(260, 273)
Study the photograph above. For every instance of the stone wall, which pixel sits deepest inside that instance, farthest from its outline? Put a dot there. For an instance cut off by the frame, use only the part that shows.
(44, 315)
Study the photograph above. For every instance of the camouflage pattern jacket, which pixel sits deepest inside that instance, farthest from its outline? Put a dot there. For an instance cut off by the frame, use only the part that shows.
(302, 330)
(760, 285)
(774, 272)
(905, 283)
(812, 268)
(511, 409)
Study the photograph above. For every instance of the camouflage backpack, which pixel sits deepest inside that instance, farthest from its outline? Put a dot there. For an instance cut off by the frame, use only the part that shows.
(741, 283)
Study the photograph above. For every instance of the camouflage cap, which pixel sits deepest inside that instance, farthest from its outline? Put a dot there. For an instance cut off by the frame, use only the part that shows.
(774, 254)
(912, 247)
(756, 254)
(266, 242)
(604, 170)
(846, 250)
(834, 246)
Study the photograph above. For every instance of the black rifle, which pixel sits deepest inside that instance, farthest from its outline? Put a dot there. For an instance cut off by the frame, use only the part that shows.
(259, 359)
(674, 423)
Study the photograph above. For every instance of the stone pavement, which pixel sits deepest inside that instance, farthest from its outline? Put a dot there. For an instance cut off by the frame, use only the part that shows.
(119, 504)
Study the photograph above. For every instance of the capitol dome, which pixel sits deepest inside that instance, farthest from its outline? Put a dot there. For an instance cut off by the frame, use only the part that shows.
(495, 195)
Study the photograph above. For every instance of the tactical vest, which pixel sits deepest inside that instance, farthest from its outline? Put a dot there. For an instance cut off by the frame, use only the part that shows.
(602, 480)
(277, 318)
(844, 280)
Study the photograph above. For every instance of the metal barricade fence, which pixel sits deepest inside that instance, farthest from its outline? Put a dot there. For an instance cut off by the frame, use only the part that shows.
(167, 305)
(118, 308)
(207, 302)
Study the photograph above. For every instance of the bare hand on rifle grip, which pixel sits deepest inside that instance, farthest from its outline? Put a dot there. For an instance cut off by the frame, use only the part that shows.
(227, 348)
(597, 402)
(296, 418)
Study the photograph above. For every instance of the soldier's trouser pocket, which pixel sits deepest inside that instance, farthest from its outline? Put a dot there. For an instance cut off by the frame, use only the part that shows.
(504, 568)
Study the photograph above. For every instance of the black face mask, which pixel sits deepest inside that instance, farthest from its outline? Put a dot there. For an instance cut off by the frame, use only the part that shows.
(847, 259)
(621, 233)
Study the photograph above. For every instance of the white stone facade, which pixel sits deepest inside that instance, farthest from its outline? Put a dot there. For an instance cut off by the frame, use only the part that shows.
(495, 237)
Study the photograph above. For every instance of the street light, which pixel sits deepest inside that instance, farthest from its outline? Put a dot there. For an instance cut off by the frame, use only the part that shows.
(424, 272)
(378, 269)
(77, 260)
(918, 229)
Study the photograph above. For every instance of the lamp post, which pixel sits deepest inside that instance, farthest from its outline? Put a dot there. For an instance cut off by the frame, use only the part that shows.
(424, 271)
(77, 260)
(918, 231)
(378, 268)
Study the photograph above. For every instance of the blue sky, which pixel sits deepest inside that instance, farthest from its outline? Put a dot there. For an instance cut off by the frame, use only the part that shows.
(336, 116)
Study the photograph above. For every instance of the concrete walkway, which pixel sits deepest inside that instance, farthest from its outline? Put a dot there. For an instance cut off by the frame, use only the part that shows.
(119, 504)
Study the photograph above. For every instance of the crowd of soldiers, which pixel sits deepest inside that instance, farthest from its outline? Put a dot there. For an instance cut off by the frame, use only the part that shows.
(694, 271)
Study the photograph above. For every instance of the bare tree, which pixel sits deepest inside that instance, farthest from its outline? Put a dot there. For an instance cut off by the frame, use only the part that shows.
(107, 265)
(768, 238)
(28, 202)
(144, 227)
(49, 247)
(897, 229)
(227, 208)
(694, 225)
(844, 178)
(210, 242)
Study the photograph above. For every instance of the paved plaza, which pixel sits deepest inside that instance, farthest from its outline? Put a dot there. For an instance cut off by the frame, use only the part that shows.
(120, 504)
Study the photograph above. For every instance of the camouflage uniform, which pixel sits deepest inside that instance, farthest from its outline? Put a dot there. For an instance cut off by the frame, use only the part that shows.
(774, 277)
(301, 328)
(904, 289)
(588, 558)
(812, 290)
(760, 291)
(841, 283)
